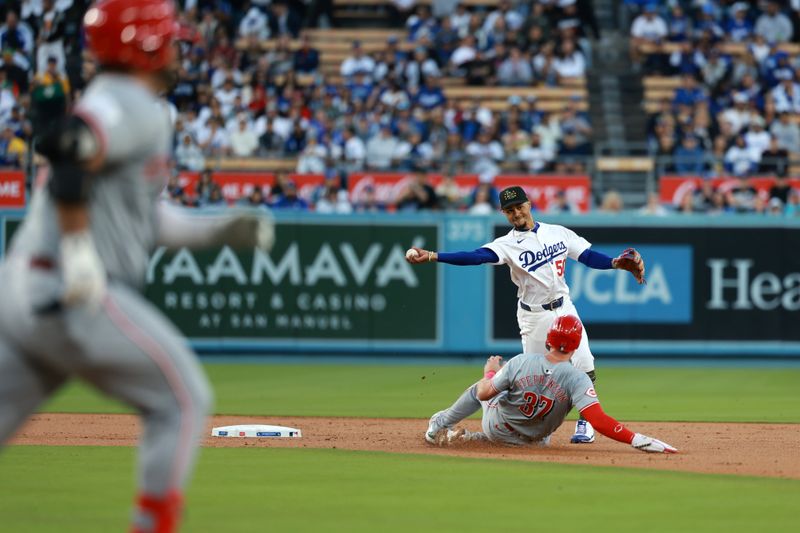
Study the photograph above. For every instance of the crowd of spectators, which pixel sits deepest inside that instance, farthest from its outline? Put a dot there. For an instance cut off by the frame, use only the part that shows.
(736, 109)
(387, 109)
(237, 98)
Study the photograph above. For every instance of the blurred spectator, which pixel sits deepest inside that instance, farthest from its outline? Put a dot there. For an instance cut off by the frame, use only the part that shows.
(738, 116)
(418, 195)
(358, 62)
(571, 155)
(742, 196)
(756, 139)
(686, 205)
(786, 95)
(283, 20)
(449, 193)
(50, 41)
(774, 160)
(535, 158)
(202, 190)
(255, 24)
(255, 198)
(781, 189)
(49, 95)
(561, 205)
(12, 149)
(515, 70)
(648, 29)
(689, 93)
(16, 35)
(381, 148)
(334, 202)
(15, 71)
(464, 53)
(355, 151)
(570, 62)
(188, 155)
(484, 153)
(215, 197)
(774, 207)
(703, 199)
(482, 202)
(289, 198)
(786, 132)
(773, 25)
(368, 203)
(612, 203)
(653, 206)
(243, 141)
(515, 138)
(306, 58)
(690, 157)
(312, 158)
(739, 160)
(738, 28)
(213, 139)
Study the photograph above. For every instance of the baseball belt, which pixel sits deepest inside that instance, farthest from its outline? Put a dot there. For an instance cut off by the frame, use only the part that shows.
(555, 304)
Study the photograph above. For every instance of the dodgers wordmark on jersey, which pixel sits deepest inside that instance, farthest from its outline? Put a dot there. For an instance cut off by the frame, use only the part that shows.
(537, 260)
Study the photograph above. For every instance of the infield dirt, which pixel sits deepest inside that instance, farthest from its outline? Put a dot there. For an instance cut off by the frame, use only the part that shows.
(718, 448)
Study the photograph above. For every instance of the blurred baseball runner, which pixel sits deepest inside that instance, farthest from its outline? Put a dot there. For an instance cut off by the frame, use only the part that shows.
(536, 254)
(526, 400)
(72, 305)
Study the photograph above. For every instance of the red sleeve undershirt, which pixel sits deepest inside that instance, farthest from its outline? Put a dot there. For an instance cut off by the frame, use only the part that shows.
(606, 425)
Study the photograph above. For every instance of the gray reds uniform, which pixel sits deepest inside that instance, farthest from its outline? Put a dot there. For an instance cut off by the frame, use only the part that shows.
(126, 348)
(534, 397)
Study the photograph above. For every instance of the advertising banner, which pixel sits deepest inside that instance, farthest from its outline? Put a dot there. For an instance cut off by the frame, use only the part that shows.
(541, 189)
(236, 185)
(332, 282)
(703, 284)
(674, 188)
(12, 189)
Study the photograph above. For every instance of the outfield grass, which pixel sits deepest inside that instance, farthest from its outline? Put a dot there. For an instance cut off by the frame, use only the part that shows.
(631, 394)
(88, 489)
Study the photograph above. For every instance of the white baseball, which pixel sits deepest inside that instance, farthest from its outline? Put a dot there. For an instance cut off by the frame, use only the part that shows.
(411, 253)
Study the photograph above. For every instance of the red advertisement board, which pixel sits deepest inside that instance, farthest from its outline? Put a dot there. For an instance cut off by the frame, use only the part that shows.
(389, 186)
(236, 185)
(12, 188)
(672, 189)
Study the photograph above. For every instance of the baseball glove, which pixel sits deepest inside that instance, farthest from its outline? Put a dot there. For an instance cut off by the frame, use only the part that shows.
(631, 261)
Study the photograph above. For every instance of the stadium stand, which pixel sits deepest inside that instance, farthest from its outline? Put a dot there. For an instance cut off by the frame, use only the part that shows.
(474, 90)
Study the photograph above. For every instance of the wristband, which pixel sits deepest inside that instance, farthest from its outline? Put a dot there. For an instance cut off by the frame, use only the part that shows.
(489, 375)
(430, 255)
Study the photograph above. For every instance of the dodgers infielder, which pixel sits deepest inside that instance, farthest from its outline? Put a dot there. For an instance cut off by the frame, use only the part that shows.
(526, 400)
(72, 305)
(536, 253)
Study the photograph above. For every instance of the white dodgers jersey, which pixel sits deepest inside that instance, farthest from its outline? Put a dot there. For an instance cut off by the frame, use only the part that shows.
(537, 259)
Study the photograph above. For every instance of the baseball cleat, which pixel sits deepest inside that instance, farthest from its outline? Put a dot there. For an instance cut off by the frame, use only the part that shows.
(584, 433)
(435, 433)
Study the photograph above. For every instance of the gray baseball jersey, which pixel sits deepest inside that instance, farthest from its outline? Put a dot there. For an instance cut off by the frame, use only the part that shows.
(127, 348)
(134, 132)
(534, 397)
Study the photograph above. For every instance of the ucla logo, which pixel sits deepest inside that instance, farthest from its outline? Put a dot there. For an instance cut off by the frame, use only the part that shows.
(531, 261)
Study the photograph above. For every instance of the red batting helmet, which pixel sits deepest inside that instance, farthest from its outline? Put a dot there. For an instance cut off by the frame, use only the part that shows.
(132, 34)
(565, 333)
